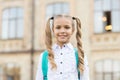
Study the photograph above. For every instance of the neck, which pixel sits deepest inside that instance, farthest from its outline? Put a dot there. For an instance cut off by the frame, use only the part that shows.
(61, 44)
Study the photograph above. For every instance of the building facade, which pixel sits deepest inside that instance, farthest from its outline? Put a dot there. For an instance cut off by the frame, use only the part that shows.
(22, 24)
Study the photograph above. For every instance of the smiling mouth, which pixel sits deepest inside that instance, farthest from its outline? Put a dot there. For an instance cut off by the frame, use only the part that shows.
(62, 36)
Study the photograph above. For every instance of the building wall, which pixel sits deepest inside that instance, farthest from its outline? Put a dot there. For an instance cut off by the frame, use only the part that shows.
(17, 51)
(22, 60)
(96, 46)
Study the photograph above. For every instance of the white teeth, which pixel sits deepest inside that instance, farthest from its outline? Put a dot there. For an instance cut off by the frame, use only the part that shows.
(62, 36)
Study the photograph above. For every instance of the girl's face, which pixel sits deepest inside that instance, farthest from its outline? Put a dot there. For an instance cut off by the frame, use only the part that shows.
(62, 29)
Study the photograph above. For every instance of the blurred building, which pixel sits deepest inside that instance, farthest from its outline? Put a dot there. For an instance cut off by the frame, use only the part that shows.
(22, 24)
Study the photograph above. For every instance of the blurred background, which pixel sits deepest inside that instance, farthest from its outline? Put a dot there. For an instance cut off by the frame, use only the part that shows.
(22, 24)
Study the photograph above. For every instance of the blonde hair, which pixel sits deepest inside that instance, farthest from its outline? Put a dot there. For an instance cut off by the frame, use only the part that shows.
(48, 42)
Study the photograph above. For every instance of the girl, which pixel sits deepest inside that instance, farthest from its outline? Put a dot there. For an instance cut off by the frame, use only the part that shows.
(61, 55)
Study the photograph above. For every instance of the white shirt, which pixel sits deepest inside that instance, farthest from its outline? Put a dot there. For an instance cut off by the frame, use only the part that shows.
(66, 65)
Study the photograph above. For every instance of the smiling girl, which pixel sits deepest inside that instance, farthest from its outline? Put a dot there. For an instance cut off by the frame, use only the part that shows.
(63, 61)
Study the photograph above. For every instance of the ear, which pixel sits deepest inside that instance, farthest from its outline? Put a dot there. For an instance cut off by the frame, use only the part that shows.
(73, 29)
(53, 28)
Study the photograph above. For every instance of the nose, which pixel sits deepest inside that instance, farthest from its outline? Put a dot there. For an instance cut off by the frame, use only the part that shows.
(62, 30)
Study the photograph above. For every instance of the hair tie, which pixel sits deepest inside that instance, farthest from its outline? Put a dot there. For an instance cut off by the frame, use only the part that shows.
(52, 18)
(73, 18)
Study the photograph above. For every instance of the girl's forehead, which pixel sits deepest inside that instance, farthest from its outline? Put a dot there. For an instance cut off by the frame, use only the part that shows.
(62, 16)
(63, 20)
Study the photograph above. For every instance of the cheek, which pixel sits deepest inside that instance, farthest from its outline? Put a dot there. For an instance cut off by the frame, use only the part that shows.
(70, 32)
(55, 32)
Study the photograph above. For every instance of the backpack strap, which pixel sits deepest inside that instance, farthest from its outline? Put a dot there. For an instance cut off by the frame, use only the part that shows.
(77, 61)
(45, 64)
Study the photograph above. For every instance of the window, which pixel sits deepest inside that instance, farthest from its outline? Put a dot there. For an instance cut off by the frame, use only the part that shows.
(10, 77)
(106, 16)
(12, 23)
(107, 21)
(1, 73)
(57, 8)
(107, 70)
(12, 71)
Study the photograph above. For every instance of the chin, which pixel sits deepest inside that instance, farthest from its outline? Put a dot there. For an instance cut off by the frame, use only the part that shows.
(63, 41)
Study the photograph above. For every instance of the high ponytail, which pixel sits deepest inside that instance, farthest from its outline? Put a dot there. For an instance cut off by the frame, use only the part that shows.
(79, 45)
(48, 42)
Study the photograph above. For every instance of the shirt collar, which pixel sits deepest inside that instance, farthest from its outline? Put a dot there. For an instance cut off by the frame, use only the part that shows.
(67, 45)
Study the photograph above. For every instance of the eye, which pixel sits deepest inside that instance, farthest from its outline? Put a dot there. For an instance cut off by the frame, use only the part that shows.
(58, 27)
(67, 26)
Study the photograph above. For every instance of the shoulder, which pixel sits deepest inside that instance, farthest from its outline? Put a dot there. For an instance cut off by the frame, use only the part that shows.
(45, 52)
(42, 54)
(85, 59)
